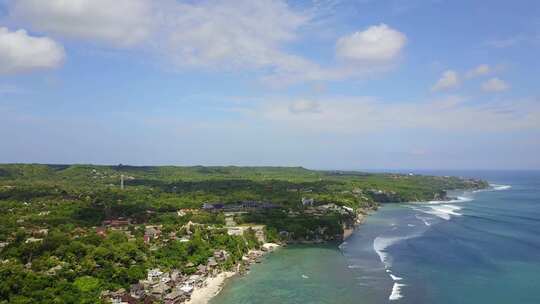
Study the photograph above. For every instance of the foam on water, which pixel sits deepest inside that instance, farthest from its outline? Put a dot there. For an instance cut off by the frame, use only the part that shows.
(444, 211)
(423, 219)
(396, 292)
(381, 243)
(458, 199)
(500, 187)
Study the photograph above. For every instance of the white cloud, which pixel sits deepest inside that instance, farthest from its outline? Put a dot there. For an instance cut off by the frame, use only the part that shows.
(214, 35)
(364, 115)
(118, 22)
(20, 52)
(238, 33)
(225, 33)
(495, 85)
(480, 70)
(304, 106)
(449, 80)
(378, 43)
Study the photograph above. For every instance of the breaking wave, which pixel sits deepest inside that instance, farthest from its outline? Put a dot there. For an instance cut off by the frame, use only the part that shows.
(379, 245)
(444, 211)
(396, 292)
(500, 187)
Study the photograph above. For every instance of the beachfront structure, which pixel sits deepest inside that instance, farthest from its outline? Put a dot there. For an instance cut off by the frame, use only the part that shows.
(175, 297)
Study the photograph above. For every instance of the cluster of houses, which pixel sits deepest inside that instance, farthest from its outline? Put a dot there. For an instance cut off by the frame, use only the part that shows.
(240, 206)
(239, 231)
(168, 287)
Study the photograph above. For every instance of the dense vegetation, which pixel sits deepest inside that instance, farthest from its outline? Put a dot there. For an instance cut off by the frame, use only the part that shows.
(52, 252)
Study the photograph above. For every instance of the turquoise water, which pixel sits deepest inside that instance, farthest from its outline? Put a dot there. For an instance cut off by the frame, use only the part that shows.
(482, 248)
(297, 274)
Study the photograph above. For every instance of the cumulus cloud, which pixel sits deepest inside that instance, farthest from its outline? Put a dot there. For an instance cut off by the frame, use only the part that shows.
(480, 70)
(449, 80)
(118, 22)
(213, 34)
(375, 44)
(495, 85)
(20, 52)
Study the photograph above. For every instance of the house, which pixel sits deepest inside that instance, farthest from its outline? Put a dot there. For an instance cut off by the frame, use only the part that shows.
(165, 278)
(235, 231)
(185, 211)
(137, 291)
(221, 255)
(213, 206)
(116, 297)
(33, 240)
(212, 262)
(54, 270)
(160, 289)
(129, 299)
(194, 280)
(118, 300)
(186, 288)
(116, 223)
(175, 297)
(101, 231)
(176, 275)
(307, 201)
(151, 233)
(201, 269)
(154, 275)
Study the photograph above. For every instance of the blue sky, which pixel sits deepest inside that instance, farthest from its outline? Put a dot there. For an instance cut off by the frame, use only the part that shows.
(427, 84)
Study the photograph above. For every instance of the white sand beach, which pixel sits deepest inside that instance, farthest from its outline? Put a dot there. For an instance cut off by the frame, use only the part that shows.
(212, 287)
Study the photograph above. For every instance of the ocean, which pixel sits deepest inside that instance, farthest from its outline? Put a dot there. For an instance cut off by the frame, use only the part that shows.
(482, 247)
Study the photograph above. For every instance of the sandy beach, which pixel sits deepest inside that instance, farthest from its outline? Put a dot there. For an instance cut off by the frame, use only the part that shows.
(213, 285)
(211, 288)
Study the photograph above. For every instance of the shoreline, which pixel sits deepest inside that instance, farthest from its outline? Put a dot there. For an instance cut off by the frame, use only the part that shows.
(212, 286)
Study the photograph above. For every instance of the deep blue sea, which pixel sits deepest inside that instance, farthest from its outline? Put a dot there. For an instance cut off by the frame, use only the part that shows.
(483, 247)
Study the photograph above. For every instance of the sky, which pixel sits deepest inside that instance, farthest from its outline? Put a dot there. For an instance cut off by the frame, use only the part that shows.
(363, 84)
